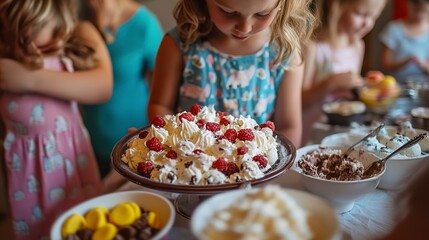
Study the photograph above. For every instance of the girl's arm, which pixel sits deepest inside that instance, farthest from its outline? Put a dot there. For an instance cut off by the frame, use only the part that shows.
(288, 115)
(314, 91)
(388, 61)
(166, 79)
(87, 86)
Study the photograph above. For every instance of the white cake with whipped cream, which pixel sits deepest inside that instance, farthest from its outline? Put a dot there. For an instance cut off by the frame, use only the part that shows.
(202, 147)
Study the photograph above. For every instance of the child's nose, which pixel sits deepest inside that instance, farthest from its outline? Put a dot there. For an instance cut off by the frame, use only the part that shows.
(244, 26)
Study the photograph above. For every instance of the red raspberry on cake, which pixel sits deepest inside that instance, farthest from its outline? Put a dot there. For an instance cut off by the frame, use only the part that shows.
(230, 169)
(231, 135)
(186, 115)
(143, 134)
(195, 109)
(201, 123)
(260, 160)
(246, 134)
(171, 154)
(145, 168)
(212, 126)
(268, 124)
(242, 150)
(158, 121)
(224, 121)
(220, 164)
(154, 144)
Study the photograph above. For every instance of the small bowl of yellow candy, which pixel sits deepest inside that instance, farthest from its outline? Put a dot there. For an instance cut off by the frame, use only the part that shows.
(122, 215)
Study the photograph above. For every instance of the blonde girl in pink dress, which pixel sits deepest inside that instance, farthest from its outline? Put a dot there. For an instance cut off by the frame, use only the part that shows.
(49, 161)
(334, 59)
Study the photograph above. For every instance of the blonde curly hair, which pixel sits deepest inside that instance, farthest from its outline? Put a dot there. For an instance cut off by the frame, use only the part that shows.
(290, 30)
(21, 21)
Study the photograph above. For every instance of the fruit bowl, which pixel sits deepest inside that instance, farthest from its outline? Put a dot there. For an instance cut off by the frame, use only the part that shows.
(376, 97)
(286, 155)
(380, 90)
(162, 207)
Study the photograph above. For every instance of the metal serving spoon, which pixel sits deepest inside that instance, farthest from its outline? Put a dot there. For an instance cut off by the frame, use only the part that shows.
(371, 134)
(379, 165)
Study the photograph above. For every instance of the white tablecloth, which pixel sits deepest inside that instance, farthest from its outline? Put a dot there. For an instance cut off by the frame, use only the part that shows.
(371, 217)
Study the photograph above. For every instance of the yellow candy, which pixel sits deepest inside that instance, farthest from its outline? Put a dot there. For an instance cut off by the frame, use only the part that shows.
(122, 215)
(136, 208)
(152, 220)
(96, 218)
(106, 232)
(72, 224)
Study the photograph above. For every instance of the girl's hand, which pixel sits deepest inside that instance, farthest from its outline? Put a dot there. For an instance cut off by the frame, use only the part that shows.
(14, 76)
(343, 81)
(423, 65)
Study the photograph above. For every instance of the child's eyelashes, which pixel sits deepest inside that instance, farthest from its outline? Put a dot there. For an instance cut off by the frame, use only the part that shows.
(235, 13)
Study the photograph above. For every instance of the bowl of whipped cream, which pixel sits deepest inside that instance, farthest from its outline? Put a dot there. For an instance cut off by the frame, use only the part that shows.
(269, 212)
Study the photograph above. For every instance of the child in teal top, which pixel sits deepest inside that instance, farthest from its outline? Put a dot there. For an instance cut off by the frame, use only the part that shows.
(132, 42)
(241, 56)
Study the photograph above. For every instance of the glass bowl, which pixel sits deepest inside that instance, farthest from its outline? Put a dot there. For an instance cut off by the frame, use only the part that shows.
(375, 96)
(286, 152)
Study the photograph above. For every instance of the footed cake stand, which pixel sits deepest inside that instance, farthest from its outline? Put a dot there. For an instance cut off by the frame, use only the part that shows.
(191, 195)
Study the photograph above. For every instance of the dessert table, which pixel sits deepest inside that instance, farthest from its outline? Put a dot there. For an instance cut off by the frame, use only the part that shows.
(371, 217)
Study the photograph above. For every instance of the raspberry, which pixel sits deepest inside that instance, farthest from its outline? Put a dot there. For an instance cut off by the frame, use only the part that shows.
(198, 151)
(158, 121)
(145, 168)
(154, 144)
(220, 137)
(220, 164)
(186, 115)
(268, 124)
(171, 154)
(230, 169)
(143, 134)
(246, 134)
(195, 109)
(260, 160)
(221, 114)
(200, 123)
(212, 126)
(231, 135)
(224, 121)
(242, 150)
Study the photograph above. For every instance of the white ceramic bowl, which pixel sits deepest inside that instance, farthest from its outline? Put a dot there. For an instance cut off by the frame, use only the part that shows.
(341, 194)
(163, 208)
(322, 219)
(399, 171)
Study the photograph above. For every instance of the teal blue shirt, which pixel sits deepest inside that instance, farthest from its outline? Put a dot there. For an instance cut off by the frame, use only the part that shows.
(133, 51)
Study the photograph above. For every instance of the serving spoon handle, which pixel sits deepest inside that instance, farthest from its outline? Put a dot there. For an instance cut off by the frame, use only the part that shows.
(371, 134)
(379, 164)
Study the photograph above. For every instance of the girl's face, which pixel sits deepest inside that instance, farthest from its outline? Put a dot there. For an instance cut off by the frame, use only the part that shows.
(242, 19)
(358, 17)
(418, 11)
(45, 37)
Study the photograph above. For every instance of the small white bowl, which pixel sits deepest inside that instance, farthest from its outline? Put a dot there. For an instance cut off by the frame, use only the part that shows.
(163, 208)
(341, 194)
(399, 171)
(322, 219)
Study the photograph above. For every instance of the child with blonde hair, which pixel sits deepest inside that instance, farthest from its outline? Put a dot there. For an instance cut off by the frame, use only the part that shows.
(405, 51)
(334, 59)
(50, 165)
(240, 56)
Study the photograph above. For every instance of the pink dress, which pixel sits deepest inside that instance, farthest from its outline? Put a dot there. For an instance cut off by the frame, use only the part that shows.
(50, 165)
(330, 61)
